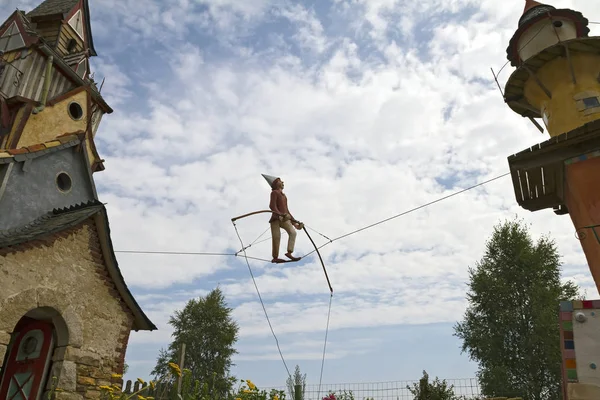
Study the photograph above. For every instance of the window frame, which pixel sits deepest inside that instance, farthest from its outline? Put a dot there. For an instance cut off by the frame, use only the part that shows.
(78, 17)
(8, 36)
(582, 107)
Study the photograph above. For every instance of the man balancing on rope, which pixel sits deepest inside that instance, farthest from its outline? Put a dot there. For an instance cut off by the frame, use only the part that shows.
(281, 219)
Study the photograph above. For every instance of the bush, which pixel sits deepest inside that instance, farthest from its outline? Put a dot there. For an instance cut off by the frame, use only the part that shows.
(346, 395)
(166, 389)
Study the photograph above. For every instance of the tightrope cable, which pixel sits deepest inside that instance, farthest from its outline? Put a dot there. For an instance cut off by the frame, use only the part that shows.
(324, 346)
(330, 240)
(255, 241)
(409, 211)
(421, 206)
(261, 301)
(304, 227)
(317, 232)
(179, 253)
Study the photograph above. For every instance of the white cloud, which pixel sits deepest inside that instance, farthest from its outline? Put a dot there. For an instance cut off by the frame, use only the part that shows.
(310, 33)
(361, 134)
(356, 141)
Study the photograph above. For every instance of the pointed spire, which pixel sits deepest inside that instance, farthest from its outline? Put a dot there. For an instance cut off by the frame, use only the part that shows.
(534, 9)
(529, 4)
(270, 179)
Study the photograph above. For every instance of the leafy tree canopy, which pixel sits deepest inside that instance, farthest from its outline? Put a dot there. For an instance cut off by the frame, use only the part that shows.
(511, 324)
(206, 327)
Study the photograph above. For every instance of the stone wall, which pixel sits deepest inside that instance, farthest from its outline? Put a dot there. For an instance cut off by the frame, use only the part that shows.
(66, 272)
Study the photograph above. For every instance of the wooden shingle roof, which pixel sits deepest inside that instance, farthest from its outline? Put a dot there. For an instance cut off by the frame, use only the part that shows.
(53, 7)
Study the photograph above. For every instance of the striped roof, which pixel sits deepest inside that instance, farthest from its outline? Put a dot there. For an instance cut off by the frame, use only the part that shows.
(38, 150)
(52, 7)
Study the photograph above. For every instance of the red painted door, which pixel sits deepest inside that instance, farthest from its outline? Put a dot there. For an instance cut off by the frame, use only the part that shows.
(27, 362)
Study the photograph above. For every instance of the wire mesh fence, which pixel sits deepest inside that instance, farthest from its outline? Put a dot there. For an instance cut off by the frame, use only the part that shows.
(467, 389)
(464, 389)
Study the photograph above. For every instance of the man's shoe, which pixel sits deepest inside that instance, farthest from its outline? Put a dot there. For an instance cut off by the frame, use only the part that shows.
(291, 257)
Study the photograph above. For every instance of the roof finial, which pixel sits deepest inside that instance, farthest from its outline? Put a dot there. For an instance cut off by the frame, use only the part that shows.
(529, 4)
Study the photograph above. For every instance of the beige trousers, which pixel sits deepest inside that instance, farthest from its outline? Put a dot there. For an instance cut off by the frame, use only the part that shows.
(276, 227)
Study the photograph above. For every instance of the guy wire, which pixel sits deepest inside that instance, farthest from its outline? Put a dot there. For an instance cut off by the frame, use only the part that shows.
(261, 301)
(325, 345)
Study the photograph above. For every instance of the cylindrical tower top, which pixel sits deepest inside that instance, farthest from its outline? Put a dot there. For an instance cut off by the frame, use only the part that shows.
(542, 26)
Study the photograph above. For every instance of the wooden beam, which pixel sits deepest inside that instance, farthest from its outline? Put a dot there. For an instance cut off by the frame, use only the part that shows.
(4, 182)
(181, 361)
(518, 97)
(537, 125)
(571, 69)
(525, 106)
(541, 203)
(561, 210)
(550, 156)
(537, 80)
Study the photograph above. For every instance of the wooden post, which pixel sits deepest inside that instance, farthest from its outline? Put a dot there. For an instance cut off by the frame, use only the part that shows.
(181, 361)
(297, 392)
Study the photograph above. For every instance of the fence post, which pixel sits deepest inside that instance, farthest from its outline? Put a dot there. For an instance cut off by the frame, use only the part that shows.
(127, 388)
(298, 392)
(181, 361)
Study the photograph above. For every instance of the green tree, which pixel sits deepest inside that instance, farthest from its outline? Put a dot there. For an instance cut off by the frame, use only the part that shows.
(298, 379)
(436, 390)
(511, 324)
(206, 327)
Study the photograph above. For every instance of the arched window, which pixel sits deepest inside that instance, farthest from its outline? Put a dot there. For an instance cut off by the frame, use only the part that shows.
(27, 362)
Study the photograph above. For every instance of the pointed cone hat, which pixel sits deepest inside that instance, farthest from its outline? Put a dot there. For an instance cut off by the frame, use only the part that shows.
(270, 179)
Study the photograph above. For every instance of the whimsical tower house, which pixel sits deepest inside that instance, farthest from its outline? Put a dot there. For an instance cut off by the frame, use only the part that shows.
(65, 310)
(557, 79)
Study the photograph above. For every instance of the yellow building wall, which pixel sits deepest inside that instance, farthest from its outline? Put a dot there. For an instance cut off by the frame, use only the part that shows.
(562, 109)
(90, 153)
(54, 121)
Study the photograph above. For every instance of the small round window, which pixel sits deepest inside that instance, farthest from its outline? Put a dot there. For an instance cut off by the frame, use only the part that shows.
(63, 182)
(75, 111)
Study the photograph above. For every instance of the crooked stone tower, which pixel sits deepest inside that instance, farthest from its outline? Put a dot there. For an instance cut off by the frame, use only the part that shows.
(65, 310)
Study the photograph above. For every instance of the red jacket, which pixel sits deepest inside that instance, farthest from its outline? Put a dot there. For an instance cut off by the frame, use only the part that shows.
(278, 205)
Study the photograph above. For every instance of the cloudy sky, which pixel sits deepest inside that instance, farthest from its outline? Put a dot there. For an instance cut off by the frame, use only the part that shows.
(366, 108)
